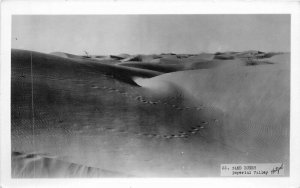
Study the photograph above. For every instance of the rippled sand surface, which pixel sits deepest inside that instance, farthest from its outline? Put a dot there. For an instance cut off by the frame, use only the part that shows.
(75, 117)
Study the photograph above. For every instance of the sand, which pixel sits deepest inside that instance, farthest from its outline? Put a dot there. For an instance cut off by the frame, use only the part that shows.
(47, 166)
(139, 121)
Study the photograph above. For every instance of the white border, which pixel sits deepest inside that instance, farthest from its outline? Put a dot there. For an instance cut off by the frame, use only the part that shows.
(134, 7)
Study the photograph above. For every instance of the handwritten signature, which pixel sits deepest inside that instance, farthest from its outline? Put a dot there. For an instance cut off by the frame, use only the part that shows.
(277, 169)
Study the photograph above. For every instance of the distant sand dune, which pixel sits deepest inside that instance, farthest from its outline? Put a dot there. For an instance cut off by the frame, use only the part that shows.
(122, 73)
(169, 67)
(66, 55)
(155, 67)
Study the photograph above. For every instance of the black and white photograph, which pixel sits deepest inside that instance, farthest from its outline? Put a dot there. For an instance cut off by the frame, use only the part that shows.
(150, 96)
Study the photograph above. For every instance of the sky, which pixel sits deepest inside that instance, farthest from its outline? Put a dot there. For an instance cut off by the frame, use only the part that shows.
(150, 34)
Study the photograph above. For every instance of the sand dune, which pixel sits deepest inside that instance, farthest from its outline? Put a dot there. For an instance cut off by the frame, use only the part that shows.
(201, 56)
(120, 57)
(66, 55)
(254, 101)
(171, 62)
(73, 66)
(95, 58)
(144, 123)
(190, 64)
(224, 56)
(152, 66)
(252, 54)
(49, 166)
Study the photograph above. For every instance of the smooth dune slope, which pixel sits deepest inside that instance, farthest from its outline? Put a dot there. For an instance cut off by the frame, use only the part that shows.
(254, 101)
(130, 121)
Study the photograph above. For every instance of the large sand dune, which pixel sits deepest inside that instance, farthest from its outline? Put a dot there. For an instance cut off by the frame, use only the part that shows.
(254, 101)
(130, 120)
